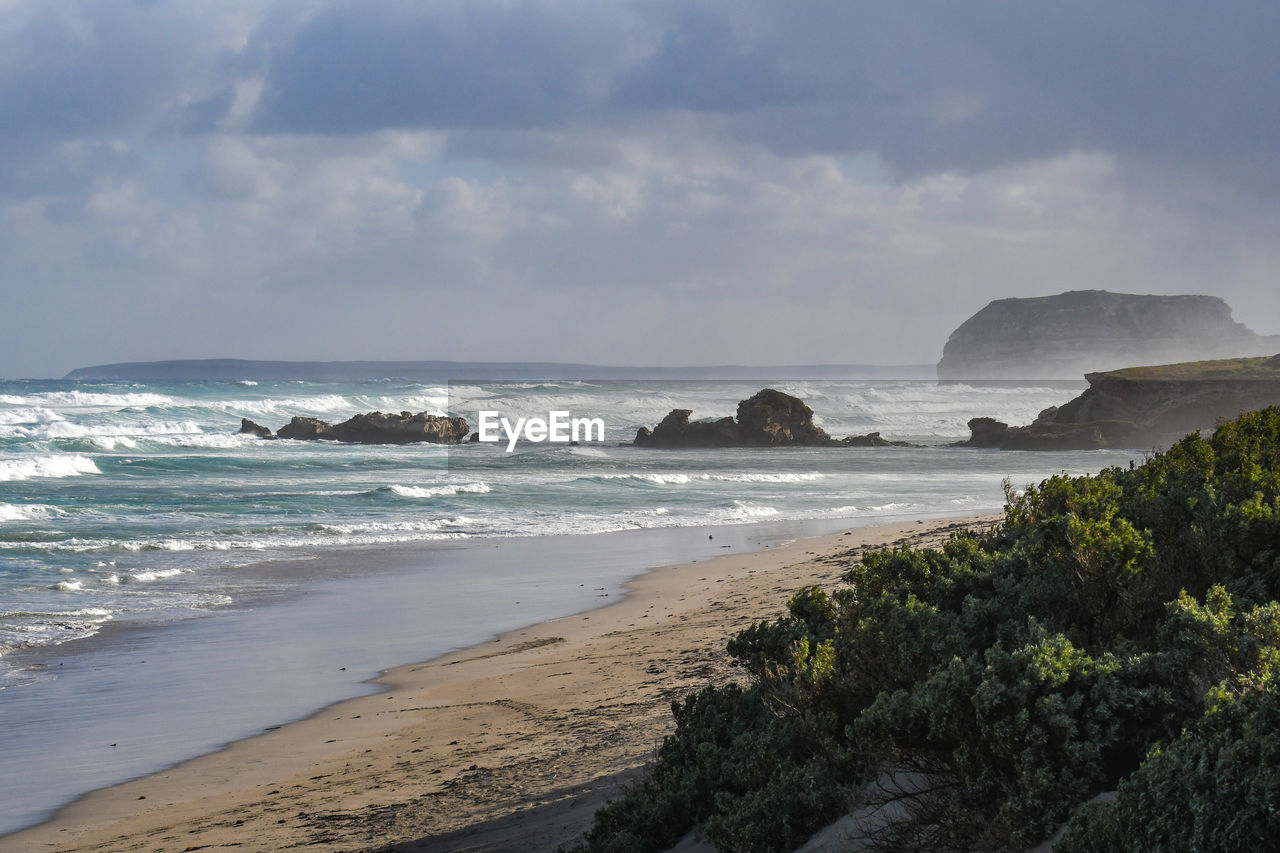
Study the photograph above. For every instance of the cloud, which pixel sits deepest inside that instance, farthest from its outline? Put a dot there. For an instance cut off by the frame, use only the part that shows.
(658, 181)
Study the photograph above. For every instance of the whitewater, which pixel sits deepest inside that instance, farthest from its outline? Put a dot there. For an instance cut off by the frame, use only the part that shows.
(139, 502)
(137, 517)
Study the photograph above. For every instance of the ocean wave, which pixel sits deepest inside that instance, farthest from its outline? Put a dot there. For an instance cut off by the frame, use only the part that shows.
(31, 415)
(744, 511)
(67, 429)
(655, 479)
(34, 467)
(217, 441)
(851, 508)
(68, 586)
(148, 575)
(805, 477)
(480, 488)
(590, 452)
(88, 400)
(678, 479)
(287, 405)
(98, 613)
(396, 526)
(28, 512)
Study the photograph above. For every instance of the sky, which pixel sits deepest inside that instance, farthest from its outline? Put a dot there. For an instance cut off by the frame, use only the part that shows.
(644, 183)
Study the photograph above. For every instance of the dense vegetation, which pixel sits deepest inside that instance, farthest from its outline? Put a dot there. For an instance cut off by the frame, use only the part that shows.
(1119, 630)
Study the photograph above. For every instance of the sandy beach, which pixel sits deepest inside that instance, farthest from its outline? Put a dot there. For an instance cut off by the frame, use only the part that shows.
(509, 745)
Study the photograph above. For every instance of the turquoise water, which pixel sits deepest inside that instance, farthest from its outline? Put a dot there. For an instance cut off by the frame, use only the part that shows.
(141, 502)
(167, 585)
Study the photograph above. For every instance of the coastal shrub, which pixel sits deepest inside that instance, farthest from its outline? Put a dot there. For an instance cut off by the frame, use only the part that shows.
(1113, 630)
(1215, 788)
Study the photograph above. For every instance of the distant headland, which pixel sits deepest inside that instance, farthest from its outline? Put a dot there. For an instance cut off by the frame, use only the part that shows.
(1088, 331)
(235, 369)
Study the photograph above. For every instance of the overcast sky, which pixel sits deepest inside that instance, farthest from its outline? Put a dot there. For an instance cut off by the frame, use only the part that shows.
(611, 182)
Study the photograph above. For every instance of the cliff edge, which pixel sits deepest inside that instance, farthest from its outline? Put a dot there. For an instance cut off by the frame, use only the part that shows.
(1088, 331)
(1142, 407)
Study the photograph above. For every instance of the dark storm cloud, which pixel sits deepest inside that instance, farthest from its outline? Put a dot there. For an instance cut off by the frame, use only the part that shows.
(928, 85)
(691, 176)
(360, 67)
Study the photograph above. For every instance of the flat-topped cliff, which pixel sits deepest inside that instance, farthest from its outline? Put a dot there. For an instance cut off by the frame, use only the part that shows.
(1087, 331)
(1142, 407)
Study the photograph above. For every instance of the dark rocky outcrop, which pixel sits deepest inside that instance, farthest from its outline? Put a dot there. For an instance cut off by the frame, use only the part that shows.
(676, 430)
(1142, 407)
(1070, 334)
(873, 439)
(768, 418)
(305, 429)
(1096, 435)
(380, 428)
(404, 428)
(248, 427)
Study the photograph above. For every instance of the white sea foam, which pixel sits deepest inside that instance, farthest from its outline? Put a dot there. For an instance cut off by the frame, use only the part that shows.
(288, 405)
(68, 586)
(439, 491)
(851, 508)
(765, 477)
(656, 479)
(397, 526)
(67, 429)
(34, 467)
(148, 575)
(744, 511)
(87, 400)
(678, 479)
(111, 442)
(31, 415)
(28, 512)
(217, 441)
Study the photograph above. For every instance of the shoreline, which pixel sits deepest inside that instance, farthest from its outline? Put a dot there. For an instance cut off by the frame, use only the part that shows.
(523, 735)
(139, 699)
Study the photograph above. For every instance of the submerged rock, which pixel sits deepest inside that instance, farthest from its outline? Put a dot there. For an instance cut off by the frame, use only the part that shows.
(873, 439)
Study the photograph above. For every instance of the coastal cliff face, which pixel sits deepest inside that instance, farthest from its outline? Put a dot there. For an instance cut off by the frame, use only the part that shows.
(1084, 331)
(1142, 407)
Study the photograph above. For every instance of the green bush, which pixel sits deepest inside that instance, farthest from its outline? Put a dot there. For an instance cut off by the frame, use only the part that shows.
(1215, 788)
(1013, 675)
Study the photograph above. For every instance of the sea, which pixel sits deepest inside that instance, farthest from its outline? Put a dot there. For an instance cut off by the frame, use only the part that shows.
(168, 585)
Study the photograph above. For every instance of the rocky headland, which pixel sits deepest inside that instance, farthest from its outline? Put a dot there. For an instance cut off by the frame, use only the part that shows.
(768, 418)
(1070, 334)
(1142, 407)
(370, 428)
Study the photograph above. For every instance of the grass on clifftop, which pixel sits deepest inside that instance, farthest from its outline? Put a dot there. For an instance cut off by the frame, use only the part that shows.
(1245, 369)
(1115, 631)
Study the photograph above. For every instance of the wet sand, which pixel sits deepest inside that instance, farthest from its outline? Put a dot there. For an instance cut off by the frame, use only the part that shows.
(509, 745)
